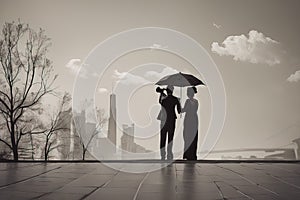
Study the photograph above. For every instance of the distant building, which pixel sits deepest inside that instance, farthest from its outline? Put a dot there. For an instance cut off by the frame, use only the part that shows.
(287, 154)
(90, 128)
(64, 140)
(103, 149)
(252, 157)
(112, 127)
(127, 141)
(77, 127)
(81, 131)
(297, 149)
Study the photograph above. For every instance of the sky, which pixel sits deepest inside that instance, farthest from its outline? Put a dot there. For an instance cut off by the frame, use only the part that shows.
(255, 45)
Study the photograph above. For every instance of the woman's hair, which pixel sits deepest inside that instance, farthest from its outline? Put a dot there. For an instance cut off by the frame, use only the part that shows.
(192, 90)
(195, 89)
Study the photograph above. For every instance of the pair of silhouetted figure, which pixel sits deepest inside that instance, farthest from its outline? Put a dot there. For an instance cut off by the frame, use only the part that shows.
(168, 117)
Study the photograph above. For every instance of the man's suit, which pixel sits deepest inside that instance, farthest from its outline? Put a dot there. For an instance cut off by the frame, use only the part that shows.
(168, 122)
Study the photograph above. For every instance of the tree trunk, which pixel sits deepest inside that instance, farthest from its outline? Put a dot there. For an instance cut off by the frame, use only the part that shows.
(83, 153)
(46, 149)
(15, 152)
(13, 139)
(46, 155)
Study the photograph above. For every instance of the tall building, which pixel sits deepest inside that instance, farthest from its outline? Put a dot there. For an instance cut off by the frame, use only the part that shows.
(65, 119)
(127, 139)
(77, 130)
(112, 127)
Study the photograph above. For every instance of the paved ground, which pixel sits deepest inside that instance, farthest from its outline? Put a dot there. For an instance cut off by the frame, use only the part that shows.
(178, 181)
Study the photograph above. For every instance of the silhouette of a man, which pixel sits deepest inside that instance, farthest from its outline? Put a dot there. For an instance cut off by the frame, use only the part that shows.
(168, 120)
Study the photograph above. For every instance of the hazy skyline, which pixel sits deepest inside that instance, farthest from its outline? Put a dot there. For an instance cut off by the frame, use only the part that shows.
(255, 45)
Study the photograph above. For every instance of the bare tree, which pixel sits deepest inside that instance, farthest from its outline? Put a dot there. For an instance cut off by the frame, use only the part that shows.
(101, 120)
(29, 126)
(58, 122)
(82, 130)
(85, 146)
(25, 75)
(4, 150)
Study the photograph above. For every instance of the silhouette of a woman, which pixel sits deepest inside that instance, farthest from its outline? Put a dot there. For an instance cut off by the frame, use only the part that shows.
(190, 128)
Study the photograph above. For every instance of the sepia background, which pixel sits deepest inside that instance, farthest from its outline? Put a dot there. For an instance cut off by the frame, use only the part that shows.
(255, 45)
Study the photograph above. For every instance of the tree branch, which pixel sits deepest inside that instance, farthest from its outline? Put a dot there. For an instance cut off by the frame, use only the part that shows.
(6, 143)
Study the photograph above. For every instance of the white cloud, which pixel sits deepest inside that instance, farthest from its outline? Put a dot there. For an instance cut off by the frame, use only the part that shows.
(158, 46)
(128, 78)
(74, 66)
(294, 77)
(119, 75)
(102, 90)
(217, 26)
(155, 76)
(257, 48)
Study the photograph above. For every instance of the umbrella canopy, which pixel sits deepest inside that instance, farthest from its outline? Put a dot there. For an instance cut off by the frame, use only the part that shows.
(180, 80)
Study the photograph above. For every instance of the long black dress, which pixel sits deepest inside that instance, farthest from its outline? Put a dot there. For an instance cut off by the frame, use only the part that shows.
(190, 129)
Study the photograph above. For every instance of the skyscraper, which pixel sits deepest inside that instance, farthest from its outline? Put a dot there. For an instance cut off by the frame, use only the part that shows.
(112, 127)
(127, 139)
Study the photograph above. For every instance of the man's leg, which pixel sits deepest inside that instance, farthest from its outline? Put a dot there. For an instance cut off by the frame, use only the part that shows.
(170, 139)
(163, 137)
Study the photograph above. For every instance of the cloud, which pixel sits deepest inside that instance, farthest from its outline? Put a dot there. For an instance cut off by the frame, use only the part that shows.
(74, 66)
(102, 90)
(155, 76)
(157, 46)
(256, 48)
(119, 75)
(128, 78)
(294, 77)
(217, 26)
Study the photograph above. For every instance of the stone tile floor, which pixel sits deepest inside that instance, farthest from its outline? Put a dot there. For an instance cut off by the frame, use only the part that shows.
(177, 181)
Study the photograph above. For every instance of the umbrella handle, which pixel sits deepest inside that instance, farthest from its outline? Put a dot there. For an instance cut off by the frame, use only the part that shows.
(180, 101)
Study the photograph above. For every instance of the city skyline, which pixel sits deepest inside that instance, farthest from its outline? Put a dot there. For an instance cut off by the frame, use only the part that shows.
(139, 99)
(262, 85)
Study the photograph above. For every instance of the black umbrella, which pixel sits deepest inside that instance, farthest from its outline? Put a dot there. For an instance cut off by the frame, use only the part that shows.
(180, 80)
